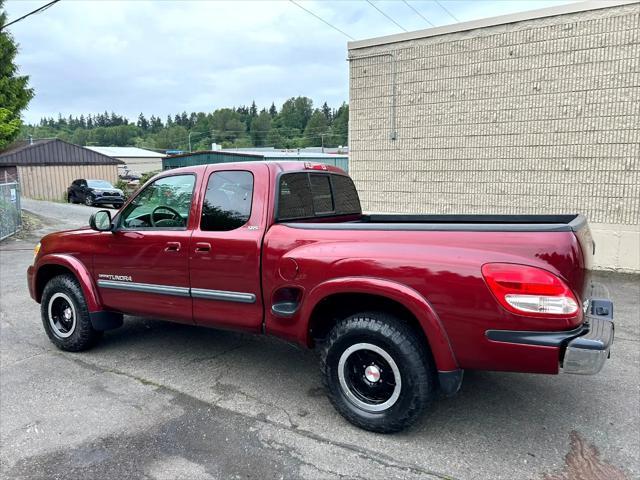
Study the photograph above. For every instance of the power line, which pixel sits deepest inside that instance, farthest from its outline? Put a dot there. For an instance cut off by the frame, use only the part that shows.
(322, 20)
(446, 10)
(419, 14)
(385, 15)
(37, 10)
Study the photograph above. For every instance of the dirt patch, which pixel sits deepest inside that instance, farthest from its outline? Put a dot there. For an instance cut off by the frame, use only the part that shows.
(30, 222)
(583, 462)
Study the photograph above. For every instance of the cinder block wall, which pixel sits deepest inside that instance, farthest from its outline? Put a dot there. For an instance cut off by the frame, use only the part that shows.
(537, 116)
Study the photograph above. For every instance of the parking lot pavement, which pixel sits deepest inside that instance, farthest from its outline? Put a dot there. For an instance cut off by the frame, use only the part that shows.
(157, 400)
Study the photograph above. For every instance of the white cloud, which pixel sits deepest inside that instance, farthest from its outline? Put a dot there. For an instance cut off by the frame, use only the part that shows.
(166, 57)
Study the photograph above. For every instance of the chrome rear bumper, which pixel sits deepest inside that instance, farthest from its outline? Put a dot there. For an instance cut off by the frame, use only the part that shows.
(586, 355)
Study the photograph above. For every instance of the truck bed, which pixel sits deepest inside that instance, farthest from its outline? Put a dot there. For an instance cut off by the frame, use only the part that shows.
(487, 223)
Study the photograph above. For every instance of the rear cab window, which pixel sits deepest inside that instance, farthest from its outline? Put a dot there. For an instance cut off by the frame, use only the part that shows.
(306, 196)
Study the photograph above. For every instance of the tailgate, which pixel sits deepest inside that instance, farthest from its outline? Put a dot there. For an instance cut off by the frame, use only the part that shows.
(580, 228)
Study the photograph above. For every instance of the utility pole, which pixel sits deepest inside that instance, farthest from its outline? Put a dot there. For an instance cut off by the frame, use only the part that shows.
(190, 132)
(322, 135)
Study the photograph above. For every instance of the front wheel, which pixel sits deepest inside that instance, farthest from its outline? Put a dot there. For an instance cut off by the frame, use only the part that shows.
(65, 315)
(378, 372)
(88, 201)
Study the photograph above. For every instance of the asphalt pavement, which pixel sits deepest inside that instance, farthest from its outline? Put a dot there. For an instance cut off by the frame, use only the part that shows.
(156, 400)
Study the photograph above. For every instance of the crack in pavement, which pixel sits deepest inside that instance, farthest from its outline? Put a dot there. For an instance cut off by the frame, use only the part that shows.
(216, 356)
(285, 447)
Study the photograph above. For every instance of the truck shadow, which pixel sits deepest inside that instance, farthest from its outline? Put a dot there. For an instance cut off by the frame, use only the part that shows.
(514, 408)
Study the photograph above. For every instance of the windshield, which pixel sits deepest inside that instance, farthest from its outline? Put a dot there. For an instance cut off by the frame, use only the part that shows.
(99, 184)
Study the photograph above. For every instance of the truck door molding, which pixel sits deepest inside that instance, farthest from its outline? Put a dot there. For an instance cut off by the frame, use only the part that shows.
(240, 297)
(145, 287)
(222, 295)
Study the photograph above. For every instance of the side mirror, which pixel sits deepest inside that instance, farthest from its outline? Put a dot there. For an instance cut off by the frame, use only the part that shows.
(101, 221)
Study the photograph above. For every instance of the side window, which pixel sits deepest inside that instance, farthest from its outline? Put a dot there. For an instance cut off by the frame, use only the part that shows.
(345, 196)
(294, 199)
(321, 192)
(227, 202)
(164, 204)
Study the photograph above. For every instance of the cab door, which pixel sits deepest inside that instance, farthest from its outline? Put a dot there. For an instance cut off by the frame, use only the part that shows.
(225, 248)
(142, 266)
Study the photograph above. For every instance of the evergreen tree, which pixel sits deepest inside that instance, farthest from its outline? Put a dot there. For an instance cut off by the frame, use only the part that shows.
(156, 124)
(327, 113)
(273, 111)
(143, 123)
(15, 93)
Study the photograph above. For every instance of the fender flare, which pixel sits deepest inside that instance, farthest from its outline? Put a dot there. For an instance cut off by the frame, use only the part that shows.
(408, 297)
(78, 269)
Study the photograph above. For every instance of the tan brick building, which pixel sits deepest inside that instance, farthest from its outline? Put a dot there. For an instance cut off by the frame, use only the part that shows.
(537, 112)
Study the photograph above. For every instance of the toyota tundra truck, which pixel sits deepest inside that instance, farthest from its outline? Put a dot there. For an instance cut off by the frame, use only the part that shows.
(397, 305)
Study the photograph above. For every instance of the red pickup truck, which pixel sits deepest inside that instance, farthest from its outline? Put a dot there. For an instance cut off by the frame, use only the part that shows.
(398, 305)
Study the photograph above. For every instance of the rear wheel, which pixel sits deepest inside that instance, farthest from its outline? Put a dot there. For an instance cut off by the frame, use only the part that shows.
(70, 198)
(378, 372)
(65, 316)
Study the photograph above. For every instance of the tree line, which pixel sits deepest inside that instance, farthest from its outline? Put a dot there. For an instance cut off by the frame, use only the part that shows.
(297, 124)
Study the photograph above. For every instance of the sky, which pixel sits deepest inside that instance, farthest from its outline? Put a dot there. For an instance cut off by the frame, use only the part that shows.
(165, 57)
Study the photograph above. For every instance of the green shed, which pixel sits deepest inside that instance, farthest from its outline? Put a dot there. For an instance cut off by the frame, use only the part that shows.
(227, 156)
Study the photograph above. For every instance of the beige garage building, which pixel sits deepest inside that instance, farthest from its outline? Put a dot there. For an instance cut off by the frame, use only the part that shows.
(138, 160)
(537, 112)
(45, 168)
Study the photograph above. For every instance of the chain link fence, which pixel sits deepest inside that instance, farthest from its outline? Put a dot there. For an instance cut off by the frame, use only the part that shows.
(10, 213)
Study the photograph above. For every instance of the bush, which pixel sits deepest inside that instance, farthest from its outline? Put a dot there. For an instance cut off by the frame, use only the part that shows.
(126, 188)
(144, 178)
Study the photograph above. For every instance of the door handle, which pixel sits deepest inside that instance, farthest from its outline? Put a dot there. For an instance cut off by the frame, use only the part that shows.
(172, 247)
(202, 247)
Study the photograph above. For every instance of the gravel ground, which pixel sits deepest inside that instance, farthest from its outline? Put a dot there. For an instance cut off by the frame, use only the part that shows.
(157, 400)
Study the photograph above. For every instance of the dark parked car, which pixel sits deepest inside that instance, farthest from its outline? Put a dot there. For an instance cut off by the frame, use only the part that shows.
(95, 192)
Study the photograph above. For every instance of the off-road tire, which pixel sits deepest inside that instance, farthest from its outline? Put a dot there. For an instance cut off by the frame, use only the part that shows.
(409, 352)
(84, 336)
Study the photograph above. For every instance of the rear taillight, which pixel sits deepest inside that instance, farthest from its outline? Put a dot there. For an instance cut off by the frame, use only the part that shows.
(530, 291)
